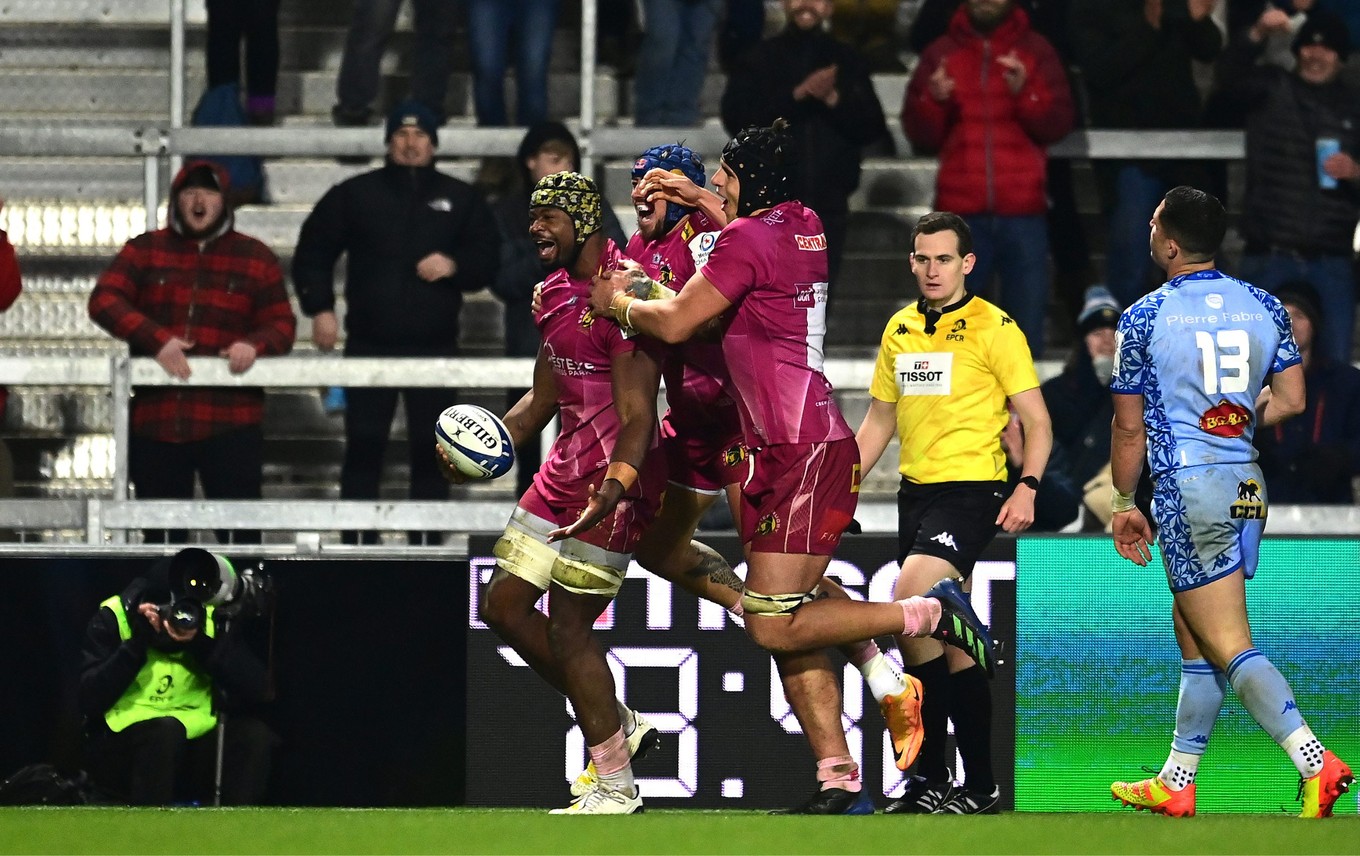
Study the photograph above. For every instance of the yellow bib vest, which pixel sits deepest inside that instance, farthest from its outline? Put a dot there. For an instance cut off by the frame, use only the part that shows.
(164, 686)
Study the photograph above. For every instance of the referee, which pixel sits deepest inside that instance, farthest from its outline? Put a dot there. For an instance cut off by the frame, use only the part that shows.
(947, 365)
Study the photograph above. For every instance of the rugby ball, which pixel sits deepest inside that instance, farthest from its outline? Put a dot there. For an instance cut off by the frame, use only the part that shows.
(475, 440)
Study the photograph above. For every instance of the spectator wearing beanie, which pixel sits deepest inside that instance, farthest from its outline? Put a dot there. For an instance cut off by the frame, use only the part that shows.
(415, 240)
(1079, 404)
(1303, 181)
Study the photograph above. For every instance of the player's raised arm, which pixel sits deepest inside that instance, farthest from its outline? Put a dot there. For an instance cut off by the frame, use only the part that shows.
(671, 321)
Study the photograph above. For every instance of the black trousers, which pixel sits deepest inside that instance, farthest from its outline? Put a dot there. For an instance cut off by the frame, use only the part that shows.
(256, 22)
(229, 465)
(155, 763)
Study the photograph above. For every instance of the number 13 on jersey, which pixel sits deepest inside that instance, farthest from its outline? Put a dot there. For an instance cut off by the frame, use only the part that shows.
(1226, 360)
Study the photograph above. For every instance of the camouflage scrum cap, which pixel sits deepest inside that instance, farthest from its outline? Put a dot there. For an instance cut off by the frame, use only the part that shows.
(574, 194)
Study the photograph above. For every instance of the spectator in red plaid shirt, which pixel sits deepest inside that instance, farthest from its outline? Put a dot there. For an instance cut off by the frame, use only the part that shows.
(197, 288)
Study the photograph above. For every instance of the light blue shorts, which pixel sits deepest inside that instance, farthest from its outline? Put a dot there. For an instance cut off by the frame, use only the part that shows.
(1211, 520)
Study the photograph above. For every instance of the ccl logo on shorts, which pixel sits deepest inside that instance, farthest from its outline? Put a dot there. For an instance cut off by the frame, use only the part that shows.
(768, 525)
(1249, 505)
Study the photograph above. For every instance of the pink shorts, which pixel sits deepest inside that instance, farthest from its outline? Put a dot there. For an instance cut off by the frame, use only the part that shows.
(799, 498)
(703, 464)
(617, 533)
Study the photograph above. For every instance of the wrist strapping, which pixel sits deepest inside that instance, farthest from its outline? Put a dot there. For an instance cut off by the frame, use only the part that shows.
(624, 473)
(1120, 501)
(618, 306)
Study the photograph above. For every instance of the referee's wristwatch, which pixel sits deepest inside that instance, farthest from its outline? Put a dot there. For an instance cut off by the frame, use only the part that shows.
(1031, 482)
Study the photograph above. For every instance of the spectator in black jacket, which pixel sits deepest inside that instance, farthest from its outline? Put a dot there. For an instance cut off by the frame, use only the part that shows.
(153, 690)
(822, 87)
(547, 147)
(1303, 181)
(1313, 458)
(1135, 57)
(416, 240)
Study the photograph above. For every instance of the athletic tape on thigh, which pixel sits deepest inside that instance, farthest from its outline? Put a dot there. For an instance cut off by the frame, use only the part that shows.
(754, 603)
(525, 555)
(584, 577)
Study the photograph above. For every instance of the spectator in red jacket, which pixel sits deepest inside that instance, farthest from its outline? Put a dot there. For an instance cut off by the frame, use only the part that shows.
(197, 288)
(9, 292)
(989, 96)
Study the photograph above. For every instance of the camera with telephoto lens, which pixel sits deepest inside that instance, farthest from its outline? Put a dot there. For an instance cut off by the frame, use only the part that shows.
(199, 579)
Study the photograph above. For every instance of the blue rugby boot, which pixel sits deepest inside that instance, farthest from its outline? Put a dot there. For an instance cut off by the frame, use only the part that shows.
(960, 626)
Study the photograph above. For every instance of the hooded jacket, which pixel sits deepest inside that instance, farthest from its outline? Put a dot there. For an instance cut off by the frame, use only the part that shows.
(212, 291)
(386, 221)
(991, 143)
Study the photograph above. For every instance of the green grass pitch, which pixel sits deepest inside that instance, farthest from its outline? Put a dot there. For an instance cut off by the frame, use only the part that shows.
(321, 830)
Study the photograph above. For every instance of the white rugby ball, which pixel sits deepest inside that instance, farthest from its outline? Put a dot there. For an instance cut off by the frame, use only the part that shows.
(475, 440)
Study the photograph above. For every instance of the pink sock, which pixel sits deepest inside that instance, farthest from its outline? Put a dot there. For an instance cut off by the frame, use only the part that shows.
(920, 615)
(846, 777)
(864, 652)
(610, 756)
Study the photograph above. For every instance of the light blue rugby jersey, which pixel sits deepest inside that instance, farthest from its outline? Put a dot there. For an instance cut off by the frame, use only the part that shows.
(1199, 350)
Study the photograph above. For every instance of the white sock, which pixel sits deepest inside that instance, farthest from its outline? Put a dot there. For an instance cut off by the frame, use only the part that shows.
(1179, 770)
(882, 676)
(1305, 751)
(621, 780)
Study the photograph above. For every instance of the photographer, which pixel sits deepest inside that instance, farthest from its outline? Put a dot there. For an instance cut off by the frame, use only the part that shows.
(155, 671)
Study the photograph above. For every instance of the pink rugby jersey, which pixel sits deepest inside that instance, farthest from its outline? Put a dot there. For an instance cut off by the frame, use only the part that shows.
(579, 347)
(773, 268)
(695, 371)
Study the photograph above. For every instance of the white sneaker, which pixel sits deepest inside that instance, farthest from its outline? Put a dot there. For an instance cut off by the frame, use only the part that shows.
(644, 738)
(602, 799)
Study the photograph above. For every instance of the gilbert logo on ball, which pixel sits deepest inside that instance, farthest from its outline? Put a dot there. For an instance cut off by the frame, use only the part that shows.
(475, 440)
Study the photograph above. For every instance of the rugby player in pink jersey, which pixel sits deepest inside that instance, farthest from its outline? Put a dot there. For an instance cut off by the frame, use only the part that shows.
(766, 278)
(574, 531)
(678, 224)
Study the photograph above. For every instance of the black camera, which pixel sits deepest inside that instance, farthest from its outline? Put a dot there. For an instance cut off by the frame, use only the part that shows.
(199, 579)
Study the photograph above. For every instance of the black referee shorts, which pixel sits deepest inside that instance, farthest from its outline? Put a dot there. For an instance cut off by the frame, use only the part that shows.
(954, 521)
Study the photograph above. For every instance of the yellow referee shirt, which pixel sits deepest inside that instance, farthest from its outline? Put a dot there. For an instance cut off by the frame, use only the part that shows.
(950, 380)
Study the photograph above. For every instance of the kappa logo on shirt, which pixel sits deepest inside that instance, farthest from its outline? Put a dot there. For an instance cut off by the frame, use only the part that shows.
(1005, 319)
(947, 540)
(811, 243)
(443, 205)
(901, 330)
